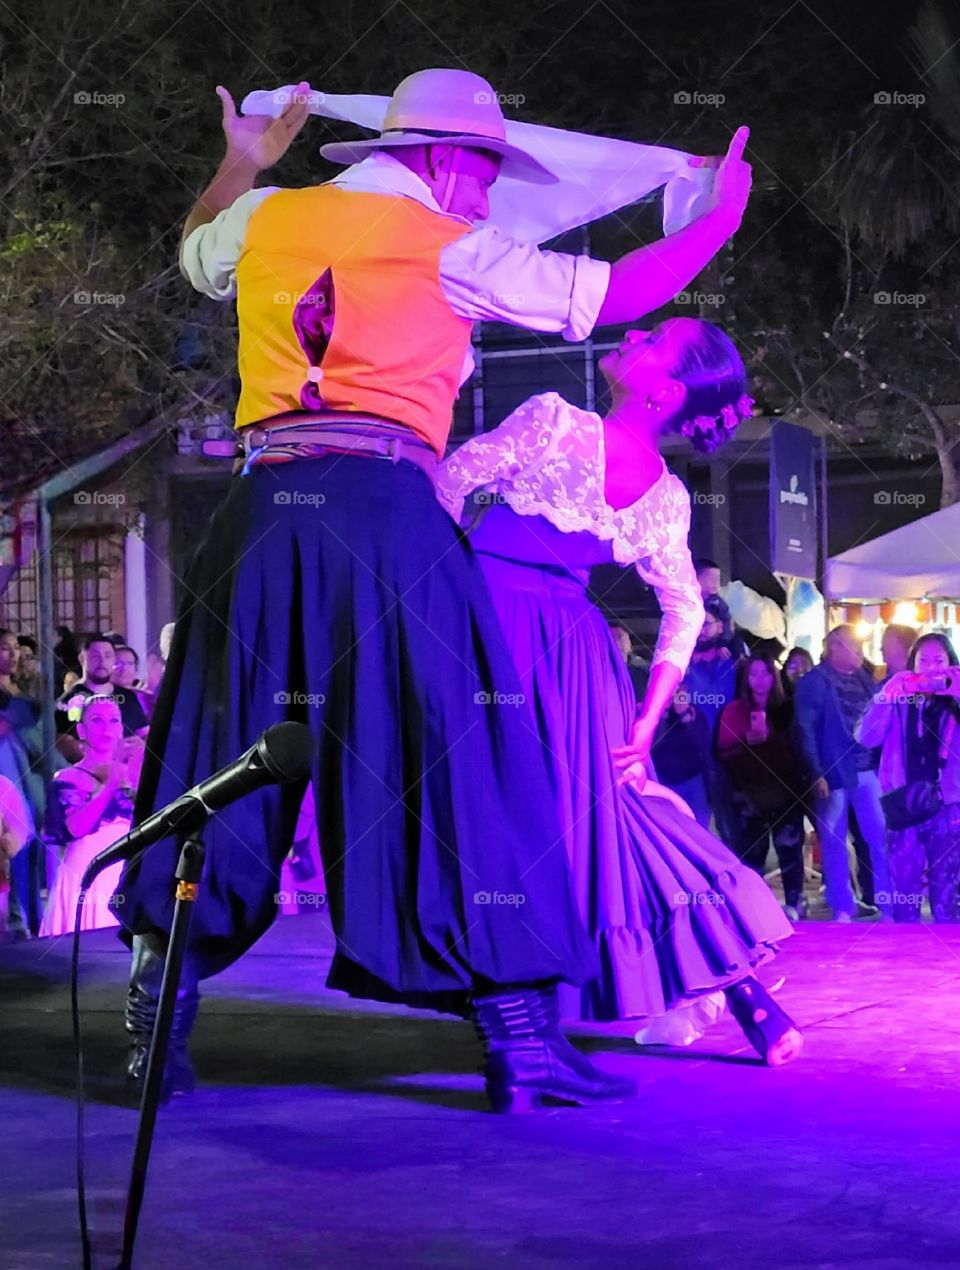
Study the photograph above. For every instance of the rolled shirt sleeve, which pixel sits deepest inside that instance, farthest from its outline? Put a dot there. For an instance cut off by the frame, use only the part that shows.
(487, 276)
(209, 256)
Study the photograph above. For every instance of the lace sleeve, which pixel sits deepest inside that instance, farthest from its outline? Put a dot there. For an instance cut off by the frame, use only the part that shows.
(484, 460)
(668, 568)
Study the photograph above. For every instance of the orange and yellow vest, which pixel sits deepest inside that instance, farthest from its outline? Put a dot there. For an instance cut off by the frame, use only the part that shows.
(395, 347)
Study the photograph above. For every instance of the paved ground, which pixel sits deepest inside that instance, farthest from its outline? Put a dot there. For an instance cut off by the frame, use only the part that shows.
(325, 1134)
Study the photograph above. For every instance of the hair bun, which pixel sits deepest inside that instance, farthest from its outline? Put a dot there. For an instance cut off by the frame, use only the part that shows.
(709, 432)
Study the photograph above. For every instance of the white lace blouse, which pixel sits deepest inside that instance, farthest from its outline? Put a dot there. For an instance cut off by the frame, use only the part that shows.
(547, 459)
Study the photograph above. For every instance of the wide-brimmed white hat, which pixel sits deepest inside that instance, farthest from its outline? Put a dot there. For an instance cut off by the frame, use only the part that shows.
(449, 106)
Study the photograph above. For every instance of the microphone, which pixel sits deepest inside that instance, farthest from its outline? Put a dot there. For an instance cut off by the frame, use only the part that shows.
(282, 755)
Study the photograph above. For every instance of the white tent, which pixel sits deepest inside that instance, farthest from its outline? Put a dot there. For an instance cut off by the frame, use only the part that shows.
(918, 560)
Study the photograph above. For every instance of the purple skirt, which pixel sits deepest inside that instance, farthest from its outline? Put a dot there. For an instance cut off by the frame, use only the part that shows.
(671, 911)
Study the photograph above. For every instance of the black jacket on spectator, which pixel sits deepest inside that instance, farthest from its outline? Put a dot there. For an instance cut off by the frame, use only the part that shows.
(681, 750)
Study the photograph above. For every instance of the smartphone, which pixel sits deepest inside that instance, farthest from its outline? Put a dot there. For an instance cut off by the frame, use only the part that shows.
(758, 721)
(938, 681)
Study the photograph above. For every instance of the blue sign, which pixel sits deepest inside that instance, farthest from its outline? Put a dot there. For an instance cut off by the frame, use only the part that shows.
(793, 501)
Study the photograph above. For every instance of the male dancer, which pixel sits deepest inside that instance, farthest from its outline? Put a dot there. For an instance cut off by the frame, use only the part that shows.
(333, 589)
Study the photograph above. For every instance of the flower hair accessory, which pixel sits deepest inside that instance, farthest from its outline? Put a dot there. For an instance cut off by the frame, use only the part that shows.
(729, 418)
(74, 706)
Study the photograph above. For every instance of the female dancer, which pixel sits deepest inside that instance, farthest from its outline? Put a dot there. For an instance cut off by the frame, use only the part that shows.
(90, 808)
(673, 914)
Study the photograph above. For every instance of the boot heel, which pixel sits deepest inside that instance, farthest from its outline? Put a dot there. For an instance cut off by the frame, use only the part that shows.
(768, 1028)
(785, 1049)
(514, 1101)
(528, 1059)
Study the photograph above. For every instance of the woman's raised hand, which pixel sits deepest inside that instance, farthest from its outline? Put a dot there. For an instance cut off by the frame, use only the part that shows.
(731, 186)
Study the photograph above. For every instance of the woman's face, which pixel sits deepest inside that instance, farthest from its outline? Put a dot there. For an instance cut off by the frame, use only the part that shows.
(796, 667)
(125, 671)
(759, 678)
(9, 652)
(642, 364)
(931, 656)
(101, 728)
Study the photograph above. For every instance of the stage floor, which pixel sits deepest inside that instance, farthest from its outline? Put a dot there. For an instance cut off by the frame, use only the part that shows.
(326, 1133)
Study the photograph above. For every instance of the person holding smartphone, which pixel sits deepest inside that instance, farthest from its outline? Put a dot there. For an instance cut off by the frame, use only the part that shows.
(754, 746)
(914, 718)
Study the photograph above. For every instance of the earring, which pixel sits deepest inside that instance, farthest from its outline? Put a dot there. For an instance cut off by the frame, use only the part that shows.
(654, 405)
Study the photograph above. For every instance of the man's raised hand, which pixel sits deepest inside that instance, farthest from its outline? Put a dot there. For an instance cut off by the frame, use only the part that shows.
(257, 139)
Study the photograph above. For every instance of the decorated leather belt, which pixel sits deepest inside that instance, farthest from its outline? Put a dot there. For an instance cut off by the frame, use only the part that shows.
(284, 442)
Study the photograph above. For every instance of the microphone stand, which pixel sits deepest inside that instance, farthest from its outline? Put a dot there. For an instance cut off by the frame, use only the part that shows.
(189, 871)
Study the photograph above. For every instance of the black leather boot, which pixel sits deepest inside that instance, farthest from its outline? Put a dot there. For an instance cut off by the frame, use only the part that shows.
(143, 998)
(528, 1059)
(770, 1030)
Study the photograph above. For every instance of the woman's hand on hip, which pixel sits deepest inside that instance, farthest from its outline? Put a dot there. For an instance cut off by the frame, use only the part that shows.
(635, 753)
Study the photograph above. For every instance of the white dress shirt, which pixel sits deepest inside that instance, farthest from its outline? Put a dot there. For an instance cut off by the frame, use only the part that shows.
(484, 275)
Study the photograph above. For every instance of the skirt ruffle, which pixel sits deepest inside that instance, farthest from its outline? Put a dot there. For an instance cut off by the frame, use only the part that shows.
(672, 913)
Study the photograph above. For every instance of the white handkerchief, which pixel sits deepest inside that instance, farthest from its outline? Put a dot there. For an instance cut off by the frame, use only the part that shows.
(595, 175)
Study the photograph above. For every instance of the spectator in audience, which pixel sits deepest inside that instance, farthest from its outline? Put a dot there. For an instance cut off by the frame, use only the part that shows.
(156, 665)
(90, 808)
(28, 676)
(708, 576)
(127, 676)
(712, 679)
(712, 672)
(99, 662)
(798, 663)
(155, 668)
(754, 744)
(66, 658)
(16, 831)
(681, 753)
(895, 648)
(829, 702)
(21, 748)
(639, 671)
(9, 657)
(126, 669)
(623, 640)
(152, 680)
(914, 718)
